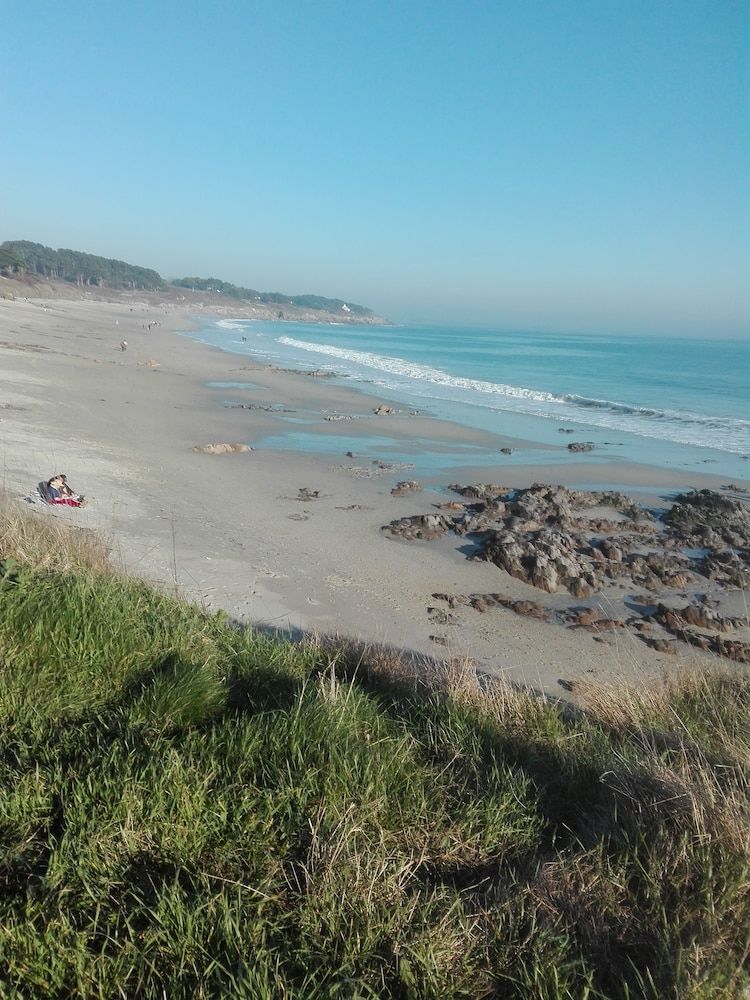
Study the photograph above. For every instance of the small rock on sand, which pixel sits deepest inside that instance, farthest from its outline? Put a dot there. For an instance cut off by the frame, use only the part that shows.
(221, 449)
(406, 486)
(304, 494)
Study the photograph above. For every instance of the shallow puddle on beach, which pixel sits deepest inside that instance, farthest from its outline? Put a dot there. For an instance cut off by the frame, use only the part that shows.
(428, 457)
(232, 385)
(301, 420)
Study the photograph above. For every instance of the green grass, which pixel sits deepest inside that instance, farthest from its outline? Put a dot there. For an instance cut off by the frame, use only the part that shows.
(191, 810)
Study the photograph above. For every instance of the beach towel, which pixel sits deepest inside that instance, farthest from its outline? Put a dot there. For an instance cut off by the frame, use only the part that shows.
(43, 495)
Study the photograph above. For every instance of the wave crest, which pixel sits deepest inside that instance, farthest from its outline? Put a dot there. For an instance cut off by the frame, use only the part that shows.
(680, 426)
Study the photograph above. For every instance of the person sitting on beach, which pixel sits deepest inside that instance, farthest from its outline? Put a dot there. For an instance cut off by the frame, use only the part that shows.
(58, 492)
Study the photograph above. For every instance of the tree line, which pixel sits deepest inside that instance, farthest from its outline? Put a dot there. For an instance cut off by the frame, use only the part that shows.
(72, 265)
(220, 287)
(22, 256)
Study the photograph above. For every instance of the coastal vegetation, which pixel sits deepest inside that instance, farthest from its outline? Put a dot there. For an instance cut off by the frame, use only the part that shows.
(76, 267)
(10, 261)
(19, 257)
(192, 809)
(271, 298)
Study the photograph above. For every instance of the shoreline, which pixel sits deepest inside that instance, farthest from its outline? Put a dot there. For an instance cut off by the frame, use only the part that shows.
(234, 532)
(355, 401)
(673, 438)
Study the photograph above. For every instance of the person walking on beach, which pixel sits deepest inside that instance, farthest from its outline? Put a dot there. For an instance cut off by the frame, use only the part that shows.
(123, 345)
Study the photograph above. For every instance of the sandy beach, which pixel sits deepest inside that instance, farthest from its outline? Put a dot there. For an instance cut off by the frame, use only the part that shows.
(278, 539)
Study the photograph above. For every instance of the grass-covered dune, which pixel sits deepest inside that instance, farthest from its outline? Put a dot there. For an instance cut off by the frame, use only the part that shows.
(191, 810)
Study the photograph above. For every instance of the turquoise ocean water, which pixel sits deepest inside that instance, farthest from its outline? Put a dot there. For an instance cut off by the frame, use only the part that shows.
(680, 403)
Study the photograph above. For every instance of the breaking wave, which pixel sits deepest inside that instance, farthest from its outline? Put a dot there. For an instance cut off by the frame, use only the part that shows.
(680, 426)
(230, 324)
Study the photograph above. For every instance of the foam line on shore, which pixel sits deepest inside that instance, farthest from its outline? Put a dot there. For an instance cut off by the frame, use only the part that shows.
(682, 427)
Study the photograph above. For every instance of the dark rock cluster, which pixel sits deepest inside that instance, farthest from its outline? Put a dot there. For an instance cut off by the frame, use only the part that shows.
(556, 538)
(691, 624)
(421, 526)
(539, 534)
(720, 525)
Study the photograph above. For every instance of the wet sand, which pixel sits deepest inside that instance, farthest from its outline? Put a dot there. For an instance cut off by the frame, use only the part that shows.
(234, 532)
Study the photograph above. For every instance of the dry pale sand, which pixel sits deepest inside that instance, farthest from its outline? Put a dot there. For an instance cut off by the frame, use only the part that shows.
(230, 531)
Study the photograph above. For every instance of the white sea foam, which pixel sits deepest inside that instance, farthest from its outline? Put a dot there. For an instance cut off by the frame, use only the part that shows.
(682, 427)
(230, 324)
(397, 366)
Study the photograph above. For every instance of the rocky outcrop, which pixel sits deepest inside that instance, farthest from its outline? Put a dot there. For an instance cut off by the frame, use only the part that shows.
(599, 624)
(539, 535)
(726, 567)
(383, 410)
(695, 616)
(476, 518)
(730, 649)
(547, 559)
(481, 491)
(581, 446)
(720, 525)
(423, 526)
(657, 570)
(704, 517)
(554, 538)
(528, 609)
(544, 540)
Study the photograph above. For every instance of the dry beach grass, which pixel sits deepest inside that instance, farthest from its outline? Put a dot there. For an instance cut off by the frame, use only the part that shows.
(49, 543)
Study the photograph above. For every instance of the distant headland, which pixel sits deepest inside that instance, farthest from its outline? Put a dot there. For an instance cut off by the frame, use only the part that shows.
(67, 272)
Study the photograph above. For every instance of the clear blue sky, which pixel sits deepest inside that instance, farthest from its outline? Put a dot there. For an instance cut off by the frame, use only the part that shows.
(531, 164)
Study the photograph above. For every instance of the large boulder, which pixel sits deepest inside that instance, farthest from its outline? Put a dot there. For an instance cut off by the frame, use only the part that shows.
(547, 560)
(704, 515)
